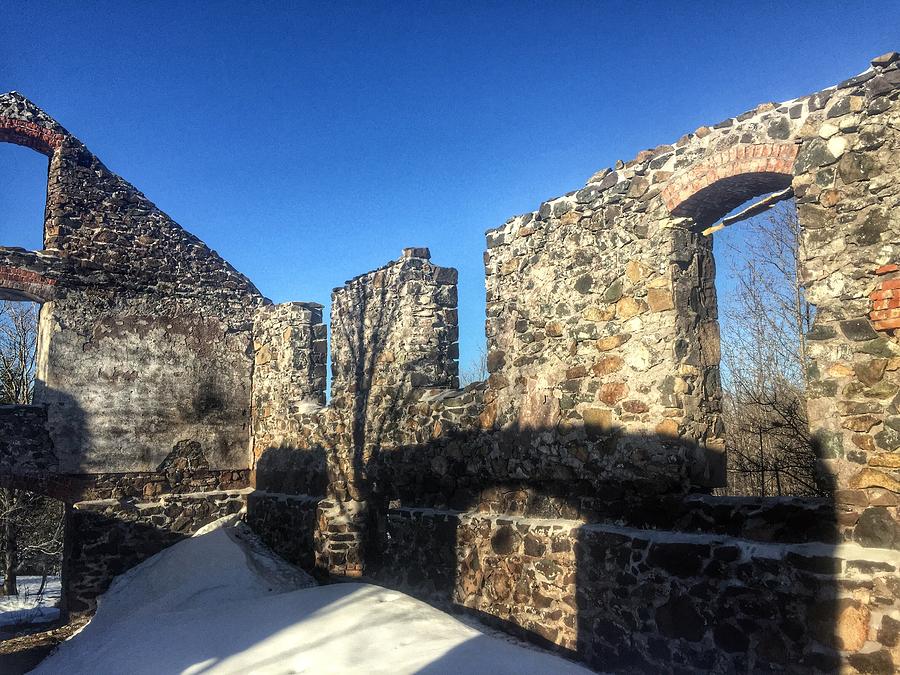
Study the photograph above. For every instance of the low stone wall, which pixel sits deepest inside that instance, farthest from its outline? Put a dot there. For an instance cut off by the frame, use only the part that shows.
(105, 538)
(287, 524)
(655, 600)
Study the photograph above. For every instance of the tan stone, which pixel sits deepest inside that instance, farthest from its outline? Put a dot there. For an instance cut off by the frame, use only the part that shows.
(628, 307)
(851, 497)
(667, 428)
(860, 422)
(488, 416)
(864, 442)
(660, 299)
(613, 341)
(594, 313)
(882, 497)
(607, 365)
(635, 271)
(839, 370)
(509, 266)
(570, 218)
(263, 355)
(868, 478)
(829, 198)
(599, 419)
(851, 629)
(554, 329)
(612, 392)
(889, 460)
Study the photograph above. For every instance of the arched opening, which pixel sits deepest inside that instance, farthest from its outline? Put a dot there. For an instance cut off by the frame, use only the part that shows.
(31, 524)
(751, 315)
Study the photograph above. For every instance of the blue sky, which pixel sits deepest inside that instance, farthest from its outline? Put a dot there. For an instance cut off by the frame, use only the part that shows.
(308, 143)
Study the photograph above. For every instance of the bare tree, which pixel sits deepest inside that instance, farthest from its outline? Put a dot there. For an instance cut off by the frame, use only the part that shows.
(477, 370)
(31, 524)
(18, 351)
(764, 362)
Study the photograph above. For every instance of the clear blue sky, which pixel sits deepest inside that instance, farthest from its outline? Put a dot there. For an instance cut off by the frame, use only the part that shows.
(310, 143)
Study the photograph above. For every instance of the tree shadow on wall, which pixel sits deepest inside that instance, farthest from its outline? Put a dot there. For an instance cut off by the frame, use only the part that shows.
(621, 575)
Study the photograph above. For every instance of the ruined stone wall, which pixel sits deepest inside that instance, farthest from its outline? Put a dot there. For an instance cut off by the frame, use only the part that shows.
(105, 538)
(626, 599)
(145, 362)
(555, 496)
(145, 332)
(290, 349)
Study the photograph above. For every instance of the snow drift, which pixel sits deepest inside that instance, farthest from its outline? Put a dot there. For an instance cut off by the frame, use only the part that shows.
(220, 603)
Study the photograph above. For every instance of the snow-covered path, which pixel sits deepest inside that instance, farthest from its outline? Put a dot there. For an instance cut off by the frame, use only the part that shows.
(220, 604)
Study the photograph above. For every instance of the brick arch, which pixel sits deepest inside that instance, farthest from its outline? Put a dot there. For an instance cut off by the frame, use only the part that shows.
(22, 284)
(30, 135)
(726, 179)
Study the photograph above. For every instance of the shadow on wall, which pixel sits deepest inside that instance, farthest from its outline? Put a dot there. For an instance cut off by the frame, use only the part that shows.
(623, 577)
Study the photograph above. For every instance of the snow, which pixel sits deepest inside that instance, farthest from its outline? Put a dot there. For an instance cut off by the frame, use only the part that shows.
(29, 607)
(220, 603)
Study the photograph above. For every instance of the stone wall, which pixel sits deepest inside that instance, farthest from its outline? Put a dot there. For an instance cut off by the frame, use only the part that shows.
(104, 538)
(144, 364)
(26, 451)
(145, 332)
(290, 349)
(626, 599)
(556, 496)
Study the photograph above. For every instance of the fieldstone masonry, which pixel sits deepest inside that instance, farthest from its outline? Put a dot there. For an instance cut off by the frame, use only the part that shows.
(567, 497)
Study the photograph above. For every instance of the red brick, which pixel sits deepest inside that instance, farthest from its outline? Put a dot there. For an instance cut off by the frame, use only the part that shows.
(887, 269)
(887, 324)
(882, 314)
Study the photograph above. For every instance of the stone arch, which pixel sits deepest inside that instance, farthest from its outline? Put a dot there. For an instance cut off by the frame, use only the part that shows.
(725, 179)
(30, 135)
(21, 284)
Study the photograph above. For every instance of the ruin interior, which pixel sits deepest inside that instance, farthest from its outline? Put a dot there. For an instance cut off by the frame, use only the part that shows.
(568, 496)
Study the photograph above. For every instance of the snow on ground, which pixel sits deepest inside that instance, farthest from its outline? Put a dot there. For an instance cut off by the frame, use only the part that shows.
(221, 604)
(29, 607)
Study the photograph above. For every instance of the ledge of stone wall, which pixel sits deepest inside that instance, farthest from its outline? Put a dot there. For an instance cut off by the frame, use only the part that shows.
(631, 599)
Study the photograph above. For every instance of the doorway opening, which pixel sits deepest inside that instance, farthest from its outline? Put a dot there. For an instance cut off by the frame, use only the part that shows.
(764, 317)
(31, 524)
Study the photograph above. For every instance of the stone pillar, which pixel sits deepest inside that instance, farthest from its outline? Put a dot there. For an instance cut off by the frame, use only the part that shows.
(394, 337)
(289, 344)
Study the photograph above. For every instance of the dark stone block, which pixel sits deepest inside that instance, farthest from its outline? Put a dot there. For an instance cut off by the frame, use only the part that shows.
(504, 541)
(880, 662)
(876, 528)
(889, 631)
(679, 618)
(858, 330)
